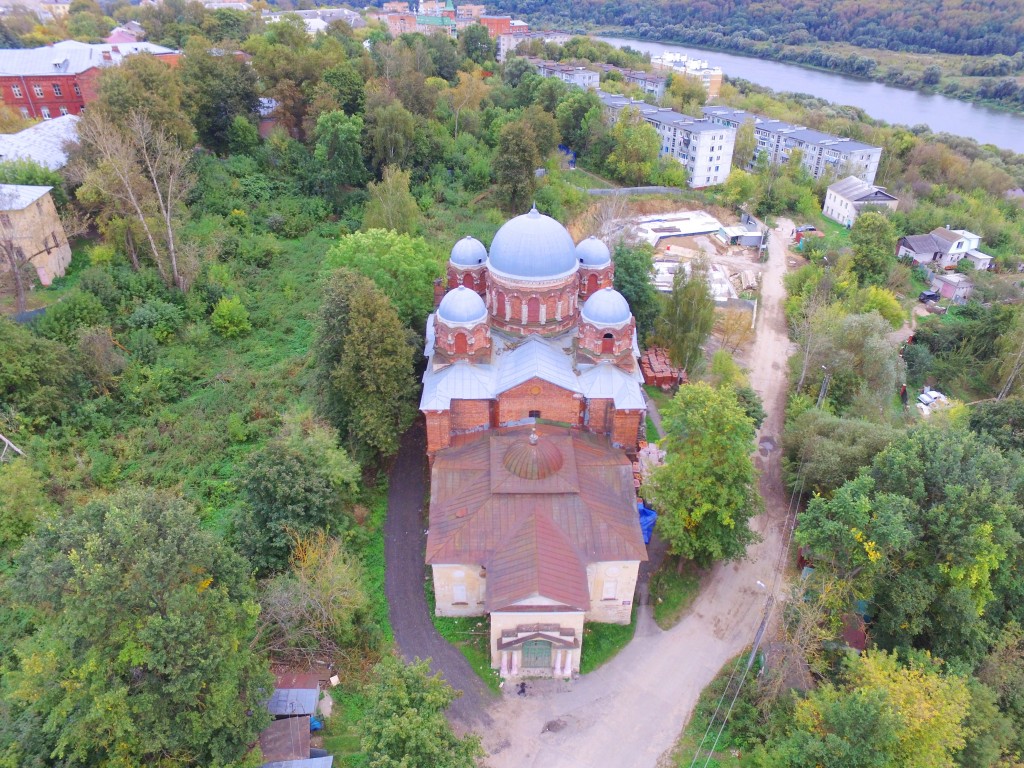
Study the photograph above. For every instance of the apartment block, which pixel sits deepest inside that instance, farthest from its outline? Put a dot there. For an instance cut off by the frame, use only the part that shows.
(823, 153)
(567, 73)
(702, 146)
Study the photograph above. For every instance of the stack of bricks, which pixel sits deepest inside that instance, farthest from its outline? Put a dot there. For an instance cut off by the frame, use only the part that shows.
(658, 370)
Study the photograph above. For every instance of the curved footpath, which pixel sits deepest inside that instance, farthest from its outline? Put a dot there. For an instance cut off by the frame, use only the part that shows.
(404, 546)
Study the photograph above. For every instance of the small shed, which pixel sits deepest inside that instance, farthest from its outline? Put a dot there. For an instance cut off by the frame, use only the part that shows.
(293, 702)
(286, 739)
(954, 286)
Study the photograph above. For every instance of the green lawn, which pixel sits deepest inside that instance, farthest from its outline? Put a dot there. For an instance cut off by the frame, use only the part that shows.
(587, 180)
(660, 398)
(601, 642)
(471, 635)
(673, 592)
(342, 735)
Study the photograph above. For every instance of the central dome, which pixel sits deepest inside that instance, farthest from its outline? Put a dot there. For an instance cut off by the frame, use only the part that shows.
(533, 246)
(533, 458)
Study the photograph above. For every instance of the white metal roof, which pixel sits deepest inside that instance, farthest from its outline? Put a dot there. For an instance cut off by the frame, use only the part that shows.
(69, 57)
(536, 358)
(606, 381)
(42, 143)
(460, 381)
(15, 197)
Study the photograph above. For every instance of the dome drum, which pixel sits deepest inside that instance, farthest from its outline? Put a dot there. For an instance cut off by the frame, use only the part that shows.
(520, 310)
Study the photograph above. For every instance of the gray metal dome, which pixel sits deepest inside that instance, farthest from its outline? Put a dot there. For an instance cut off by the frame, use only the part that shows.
(461, 305)
(593, 253)
(533, 246)
(606, 307)
(468, 252)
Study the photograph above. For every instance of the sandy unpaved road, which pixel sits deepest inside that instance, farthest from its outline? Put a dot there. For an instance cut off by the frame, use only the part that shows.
(630, 712)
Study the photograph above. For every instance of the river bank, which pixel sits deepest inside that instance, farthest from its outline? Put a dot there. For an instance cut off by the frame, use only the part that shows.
(892, 104)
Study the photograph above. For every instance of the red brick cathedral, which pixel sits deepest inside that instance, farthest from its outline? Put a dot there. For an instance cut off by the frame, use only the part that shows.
(532, 330)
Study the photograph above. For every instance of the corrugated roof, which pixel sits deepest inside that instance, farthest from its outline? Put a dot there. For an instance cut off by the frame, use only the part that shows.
(851, 188)
(293, 701)
(924, 243)
(286, 739)
(43, 143)
(535, 358)
(15, 197)
(480, 513)
(461, 381)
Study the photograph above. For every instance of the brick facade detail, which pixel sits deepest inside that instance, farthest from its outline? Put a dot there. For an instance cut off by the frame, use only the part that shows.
(593, 280)
(540, 399)
(461, 342)
(474, 278)
(522, 309)
(47, 96)
(606, 342)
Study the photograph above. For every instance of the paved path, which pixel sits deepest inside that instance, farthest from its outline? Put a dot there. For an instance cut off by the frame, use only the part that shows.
(404, 547)
(628, 713)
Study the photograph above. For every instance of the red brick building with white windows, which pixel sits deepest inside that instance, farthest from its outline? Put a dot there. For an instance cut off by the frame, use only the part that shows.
(60, 79)
(531, 331)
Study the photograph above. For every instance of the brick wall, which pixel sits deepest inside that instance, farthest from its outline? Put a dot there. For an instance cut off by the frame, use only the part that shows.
(469, 415)
(439, 430)
(553, 402)
(592, 338)
(475, 340)
(626, 426)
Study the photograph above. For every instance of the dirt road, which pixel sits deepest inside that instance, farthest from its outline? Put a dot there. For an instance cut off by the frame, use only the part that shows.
(630, 712)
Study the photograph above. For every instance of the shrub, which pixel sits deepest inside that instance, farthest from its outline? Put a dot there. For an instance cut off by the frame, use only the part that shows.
(160, 318)
(101, 254)
(79, 309)
(230, 318)
(99, 282)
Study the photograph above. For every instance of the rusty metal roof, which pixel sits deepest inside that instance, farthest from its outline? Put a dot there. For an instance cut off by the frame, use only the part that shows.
(535, 535)
(286, 739)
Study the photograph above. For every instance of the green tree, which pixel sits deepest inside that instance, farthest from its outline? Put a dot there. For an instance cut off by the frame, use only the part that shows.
(391, 206)
(634, 272)
(515, 165)
(404, 725)
(475, 43)
(217, 88)
(636, 146)
(688, 317)
(139, 652)
(142, 83)
(707, 489)
(299, 483)
(743, 149)
(243, 136)
(402, 266)
(1002, 420)
(390, 135)
(578, 116)
(31, 173)
(338, 154)
(364, 360)
(35, 375)
(874, 248)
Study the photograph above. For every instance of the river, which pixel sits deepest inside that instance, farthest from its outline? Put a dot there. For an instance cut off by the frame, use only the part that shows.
(883, 102)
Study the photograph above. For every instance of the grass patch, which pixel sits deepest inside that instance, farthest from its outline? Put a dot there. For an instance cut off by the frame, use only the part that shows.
(602, 642)
(470, 635)
(658, 396)
(370, 547)
(652, 430)
(737, 738)
(587, 180)
(342, 735)
(673, 592)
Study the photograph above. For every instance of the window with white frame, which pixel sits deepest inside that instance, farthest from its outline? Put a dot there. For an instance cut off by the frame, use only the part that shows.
(63, 110)
(38, 90)
(610, 590)
(45, 112)
(56, 90)
(16, 90)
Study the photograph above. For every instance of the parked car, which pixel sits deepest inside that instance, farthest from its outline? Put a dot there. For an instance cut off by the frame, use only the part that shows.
(928, 296)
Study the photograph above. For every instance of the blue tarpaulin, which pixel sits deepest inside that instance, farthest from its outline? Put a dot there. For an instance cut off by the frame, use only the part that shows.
(648, 517)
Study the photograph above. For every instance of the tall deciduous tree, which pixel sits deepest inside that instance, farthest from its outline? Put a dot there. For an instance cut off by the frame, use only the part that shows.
(391, 205)
(706, 491)
(476, 44)
(364, 359)
(404, 725)
(874, 248)
(637, 143)
(688, 317)
(142, 83)
(390, 135)
(218, 87)
(140, 648)
(634, 271)
(579, 117)
(515, 164)
(338, 153)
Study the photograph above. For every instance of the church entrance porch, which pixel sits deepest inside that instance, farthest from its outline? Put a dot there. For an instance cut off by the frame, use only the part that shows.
(538, 650)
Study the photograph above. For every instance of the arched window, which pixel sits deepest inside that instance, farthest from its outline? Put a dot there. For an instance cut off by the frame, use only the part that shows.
(467, 280)
(607, 344)
(533, 310)
(461, 344)
(500, 308)
(591, 283)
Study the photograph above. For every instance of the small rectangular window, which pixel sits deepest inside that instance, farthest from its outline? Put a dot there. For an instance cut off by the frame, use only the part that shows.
(63, 110)
(16, 90)
(610, 590)
(56, 90)
(45, 111)
(24, 113)
(38, 89)
(534, 414)
(459, 593)
(78, 91)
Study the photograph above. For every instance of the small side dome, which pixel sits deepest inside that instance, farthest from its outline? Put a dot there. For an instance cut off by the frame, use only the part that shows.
(533, 458)
(593, 253)
(462, 305)
(606, 307)
(468, 252)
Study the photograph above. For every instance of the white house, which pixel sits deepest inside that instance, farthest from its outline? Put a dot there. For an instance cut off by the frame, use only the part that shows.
(943, 248)
(845, 199)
